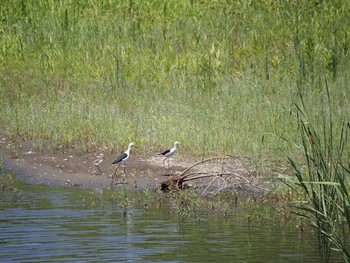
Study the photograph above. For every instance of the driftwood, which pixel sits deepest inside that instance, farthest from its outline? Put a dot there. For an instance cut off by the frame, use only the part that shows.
(213, 179)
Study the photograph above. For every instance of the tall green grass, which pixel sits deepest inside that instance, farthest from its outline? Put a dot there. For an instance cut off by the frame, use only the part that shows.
(218, 76)
(322, 178)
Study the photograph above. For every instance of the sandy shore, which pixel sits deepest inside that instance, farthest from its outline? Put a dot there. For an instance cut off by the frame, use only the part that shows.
(74, 168)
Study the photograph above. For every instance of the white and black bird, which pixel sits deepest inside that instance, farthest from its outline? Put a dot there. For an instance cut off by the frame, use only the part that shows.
(123, 157)
(98, 161)
(170, 152)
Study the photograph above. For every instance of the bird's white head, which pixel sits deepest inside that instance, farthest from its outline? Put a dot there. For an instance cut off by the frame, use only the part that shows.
(129, 148)
(176, 144)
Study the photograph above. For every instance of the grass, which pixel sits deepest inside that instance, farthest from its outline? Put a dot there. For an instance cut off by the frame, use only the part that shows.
(218, 76)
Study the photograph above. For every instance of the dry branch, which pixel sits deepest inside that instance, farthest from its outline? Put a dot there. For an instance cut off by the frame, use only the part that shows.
(201, 162)
(224, 179)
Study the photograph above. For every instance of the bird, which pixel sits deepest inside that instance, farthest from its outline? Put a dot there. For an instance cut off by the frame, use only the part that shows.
(98, 161)
(122, 158)
(170, 152)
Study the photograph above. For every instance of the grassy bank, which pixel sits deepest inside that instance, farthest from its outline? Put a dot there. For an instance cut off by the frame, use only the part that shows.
(218, 76)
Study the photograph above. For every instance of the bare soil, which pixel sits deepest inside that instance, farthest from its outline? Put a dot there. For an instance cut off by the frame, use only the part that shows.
(74, 168)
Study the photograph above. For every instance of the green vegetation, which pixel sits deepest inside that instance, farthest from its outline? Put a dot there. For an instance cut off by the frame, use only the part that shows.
(218, 76)
(10, 189)
(322, 180)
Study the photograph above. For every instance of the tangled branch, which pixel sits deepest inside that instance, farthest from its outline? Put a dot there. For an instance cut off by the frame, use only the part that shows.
(212, 178)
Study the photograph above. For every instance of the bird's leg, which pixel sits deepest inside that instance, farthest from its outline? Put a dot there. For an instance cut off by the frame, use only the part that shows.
(125, 181)
(114, 176)
(98, 167)
(164, 161)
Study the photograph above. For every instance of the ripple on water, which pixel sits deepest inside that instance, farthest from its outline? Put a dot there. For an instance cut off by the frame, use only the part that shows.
(63, 231)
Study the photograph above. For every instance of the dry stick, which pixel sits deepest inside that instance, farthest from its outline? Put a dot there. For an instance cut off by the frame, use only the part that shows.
(212, 181)
(219, 186)
(237, 182)
(241, 177)
(241, 164)
(204, 161)
(237, 158)
(199, 176)
(183, 175)
(203, 175)
(225, 182)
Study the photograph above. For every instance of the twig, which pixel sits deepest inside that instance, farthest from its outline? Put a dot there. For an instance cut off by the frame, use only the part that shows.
(212, 181)
(204, 161)
(199, 176)
(240, 177)
(220, 180)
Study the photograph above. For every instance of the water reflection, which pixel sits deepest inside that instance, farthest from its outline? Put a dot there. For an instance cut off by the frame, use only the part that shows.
(57, 224)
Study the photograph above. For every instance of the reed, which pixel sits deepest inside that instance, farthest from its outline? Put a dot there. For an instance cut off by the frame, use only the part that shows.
(322, 178)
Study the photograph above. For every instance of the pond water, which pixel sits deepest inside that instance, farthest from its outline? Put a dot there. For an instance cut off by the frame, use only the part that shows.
(59, 224)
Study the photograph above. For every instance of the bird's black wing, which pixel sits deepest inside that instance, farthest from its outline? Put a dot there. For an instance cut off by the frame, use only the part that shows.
(120, 158)
(165, 152)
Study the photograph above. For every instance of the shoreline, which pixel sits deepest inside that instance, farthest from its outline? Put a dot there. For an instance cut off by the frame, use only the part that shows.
(74, 168)
(70, 167)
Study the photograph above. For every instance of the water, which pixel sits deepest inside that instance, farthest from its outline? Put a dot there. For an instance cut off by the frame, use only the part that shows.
(51, 224)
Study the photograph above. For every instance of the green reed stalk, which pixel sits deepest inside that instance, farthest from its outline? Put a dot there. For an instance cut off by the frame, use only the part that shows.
(323, 179)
